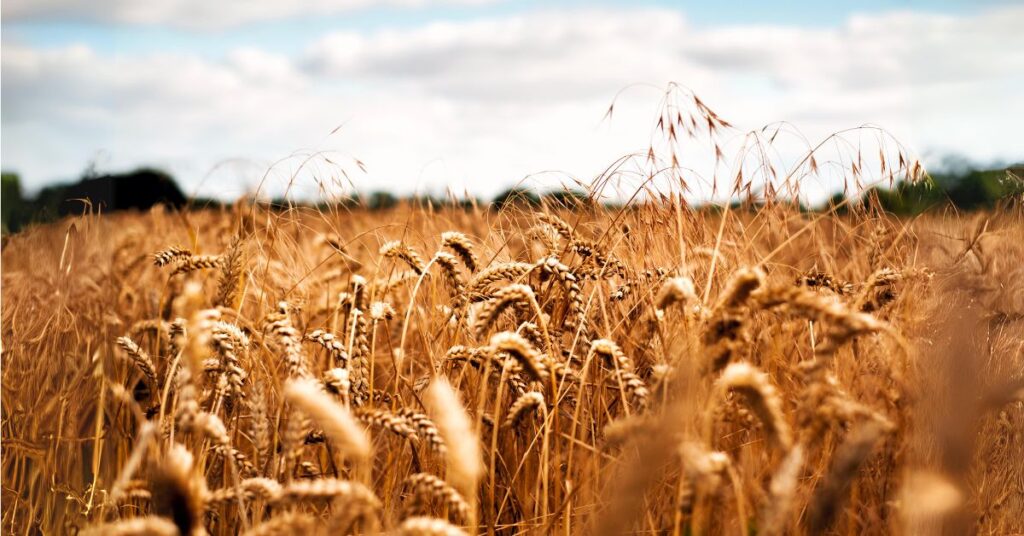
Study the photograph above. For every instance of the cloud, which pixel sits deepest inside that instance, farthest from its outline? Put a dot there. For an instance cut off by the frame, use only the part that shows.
(871, 51)
(593, 48)
(194, 14)
(545, 55)
(480, 104)
(63, 106)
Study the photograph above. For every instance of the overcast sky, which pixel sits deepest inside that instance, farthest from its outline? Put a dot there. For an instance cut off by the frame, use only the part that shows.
(475, 95)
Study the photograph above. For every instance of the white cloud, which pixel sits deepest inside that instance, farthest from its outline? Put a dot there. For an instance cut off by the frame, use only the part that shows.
(539, 56)
(194, 14)
(481, 104)
(62, 106)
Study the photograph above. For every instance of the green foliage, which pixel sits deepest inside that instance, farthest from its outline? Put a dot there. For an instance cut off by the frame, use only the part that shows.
(381, 200)
(970, 189)
(568, 199)
(12, 206)
(517, 195)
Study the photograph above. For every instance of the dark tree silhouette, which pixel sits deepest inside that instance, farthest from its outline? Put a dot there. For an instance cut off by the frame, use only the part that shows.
(139, 189)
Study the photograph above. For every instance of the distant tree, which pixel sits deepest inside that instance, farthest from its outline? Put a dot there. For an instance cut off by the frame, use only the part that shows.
(14, 210)
(566, 198)
(517, 196)
(381, 200)
(981, 188)
(964, 188)
(466, 203)
(838, 202)
(139, 189)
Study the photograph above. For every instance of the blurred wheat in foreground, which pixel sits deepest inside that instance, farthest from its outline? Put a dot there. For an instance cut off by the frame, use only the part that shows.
(656, 370)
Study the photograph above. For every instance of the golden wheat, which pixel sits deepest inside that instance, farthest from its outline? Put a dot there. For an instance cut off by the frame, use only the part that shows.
(652, 369)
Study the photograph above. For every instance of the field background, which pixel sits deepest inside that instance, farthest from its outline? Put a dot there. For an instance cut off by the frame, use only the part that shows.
(874, 383)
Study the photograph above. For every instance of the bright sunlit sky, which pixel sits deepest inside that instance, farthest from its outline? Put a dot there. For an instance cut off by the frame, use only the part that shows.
(475, 95)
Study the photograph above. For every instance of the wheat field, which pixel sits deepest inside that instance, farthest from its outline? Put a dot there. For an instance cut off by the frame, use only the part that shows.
(652, 370)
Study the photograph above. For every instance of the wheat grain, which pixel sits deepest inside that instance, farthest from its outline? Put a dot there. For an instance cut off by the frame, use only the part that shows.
(165, 257)
(515, 294)
(817, 279)
(762, 396)
(428, 526)
(330, 342)
(575, 314)
(629, 382)
(522, 351)
(675, 290)
(329, 488)
(396, 249)
(386, 420)
(449, 267)
(252, 488)
(429, 486)
(465, 462)
(135, 526)
(522, 406)
(381, 311)
(426, 429)
(462, 247)
(228, 340)
(192, 263)
(259, 424)
(285, 524)
(336, 380)
(140, 358)
(337, 421)
(511, 271)
(231, 271)
(280, 325)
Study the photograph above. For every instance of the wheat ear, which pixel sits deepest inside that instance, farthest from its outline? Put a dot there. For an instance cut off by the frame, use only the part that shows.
(465, 460)
(337, 422)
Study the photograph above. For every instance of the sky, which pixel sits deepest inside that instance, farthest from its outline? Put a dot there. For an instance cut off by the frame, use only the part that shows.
(431, 96)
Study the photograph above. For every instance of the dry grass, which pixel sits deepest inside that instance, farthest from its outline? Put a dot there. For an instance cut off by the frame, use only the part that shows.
(768, 371)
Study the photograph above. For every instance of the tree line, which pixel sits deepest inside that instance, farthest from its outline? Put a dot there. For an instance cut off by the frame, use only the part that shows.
(965, 188)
